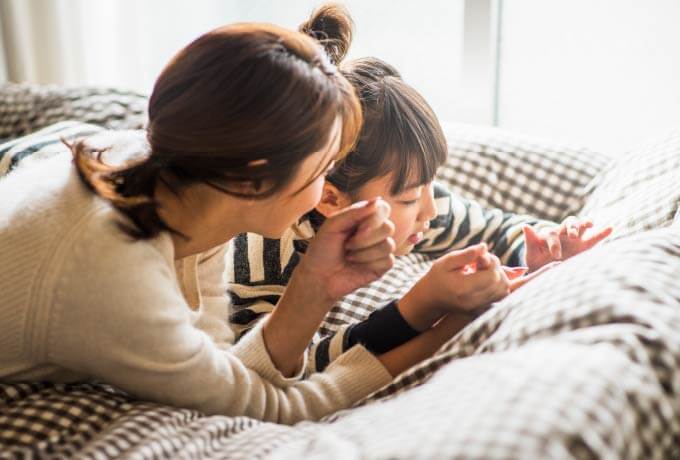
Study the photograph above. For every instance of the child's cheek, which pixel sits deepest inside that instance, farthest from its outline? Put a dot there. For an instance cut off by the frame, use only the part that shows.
(404, 227)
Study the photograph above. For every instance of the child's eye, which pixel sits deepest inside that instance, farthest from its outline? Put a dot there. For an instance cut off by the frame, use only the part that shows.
(409, 202)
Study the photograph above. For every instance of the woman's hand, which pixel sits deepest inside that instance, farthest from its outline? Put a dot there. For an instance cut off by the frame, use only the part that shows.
(461, 281)
(560, 243)
(352, 248)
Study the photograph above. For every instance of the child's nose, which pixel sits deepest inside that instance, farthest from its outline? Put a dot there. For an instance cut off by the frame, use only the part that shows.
(429, 210)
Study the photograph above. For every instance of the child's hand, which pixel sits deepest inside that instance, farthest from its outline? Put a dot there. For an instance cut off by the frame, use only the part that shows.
(560, 243)
(452, 285)
(462, 281)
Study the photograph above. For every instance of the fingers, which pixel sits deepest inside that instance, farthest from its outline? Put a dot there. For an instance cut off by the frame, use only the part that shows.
(570, 227)
(482, 280)
(514, 272)
(378, 251)
(456, 260)
(349, 220)
(584, 225)
(379, 267)
(552, 240)
(531, 238)
(593, 240)
(496, 289)
(519, 282)
(370, 233)
(484, 261)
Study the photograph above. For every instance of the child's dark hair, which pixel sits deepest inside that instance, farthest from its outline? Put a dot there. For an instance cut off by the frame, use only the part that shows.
(400, 134)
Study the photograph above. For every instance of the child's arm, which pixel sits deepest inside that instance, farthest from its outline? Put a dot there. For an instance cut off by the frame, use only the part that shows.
(445, 289)
(382, 331)
(259, 273)
(460, 223)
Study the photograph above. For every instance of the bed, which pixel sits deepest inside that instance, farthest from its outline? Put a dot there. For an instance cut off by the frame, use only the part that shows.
(583, 362)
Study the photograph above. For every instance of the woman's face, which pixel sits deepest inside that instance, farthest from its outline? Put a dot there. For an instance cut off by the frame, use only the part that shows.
(278, 213)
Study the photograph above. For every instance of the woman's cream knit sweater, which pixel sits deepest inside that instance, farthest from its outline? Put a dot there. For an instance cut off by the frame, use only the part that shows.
(79, 300)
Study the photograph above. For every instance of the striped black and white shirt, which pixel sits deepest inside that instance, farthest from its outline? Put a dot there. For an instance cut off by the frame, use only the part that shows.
(262, 268)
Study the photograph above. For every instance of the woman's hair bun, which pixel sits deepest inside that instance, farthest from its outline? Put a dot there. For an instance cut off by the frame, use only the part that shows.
(332, 26)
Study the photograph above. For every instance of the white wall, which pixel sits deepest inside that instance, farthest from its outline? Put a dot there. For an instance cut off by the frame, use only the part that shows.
(604, 72)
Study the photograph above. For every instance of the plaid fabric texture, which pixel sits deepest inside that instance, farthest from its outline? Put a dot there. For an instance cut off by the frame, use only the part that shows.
(580, 363)
(640, 190)
(25, 108)
(519, 173)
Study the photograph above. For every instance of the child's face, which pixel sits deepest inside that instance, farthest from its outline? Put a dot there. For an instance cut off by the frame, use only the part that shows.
(412, 210)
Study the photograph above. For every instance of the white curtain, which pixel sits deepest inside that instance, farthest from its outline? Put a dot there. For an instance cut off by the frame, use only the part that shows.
(101, 42)
(3, 59)
(125, 43)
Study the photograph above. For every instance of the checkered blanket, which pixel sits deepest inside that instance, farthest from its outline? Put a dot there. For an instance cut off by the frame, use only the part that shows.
(583, 362)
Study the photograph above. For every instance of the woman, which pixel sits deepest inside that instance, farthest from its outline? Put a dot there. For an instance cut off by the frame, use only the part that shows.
(113, 253)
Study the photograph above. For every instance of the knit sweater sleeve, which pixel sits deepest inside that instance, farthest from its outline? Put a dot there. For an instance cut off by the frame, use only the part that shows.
(118, 315)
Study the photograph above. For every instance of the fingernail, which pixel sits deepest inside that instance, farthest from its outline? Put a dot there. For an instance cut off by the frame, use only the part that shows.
(359, 204)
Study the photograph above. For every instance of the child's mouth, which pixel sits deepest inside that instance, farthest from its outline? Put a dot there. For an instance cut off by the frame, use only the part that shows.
(415, 238)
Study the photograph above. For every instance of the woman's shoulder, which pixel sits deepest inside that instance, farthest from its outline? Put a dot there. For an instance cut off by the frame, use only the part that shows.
(46, 206)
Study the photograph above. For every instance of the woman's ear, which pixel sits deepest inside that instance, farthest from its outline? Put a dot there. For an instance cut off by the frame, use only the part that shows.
(332, 200)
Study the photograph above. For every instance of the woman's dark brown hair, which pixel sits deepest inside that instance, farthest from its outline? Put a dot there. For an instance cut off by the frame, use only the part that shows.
(243, 103)
(400, 136)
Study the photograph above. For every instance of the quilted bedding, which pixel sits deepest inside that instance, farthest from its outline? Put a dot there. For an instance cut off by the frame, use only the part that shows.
(583, 362)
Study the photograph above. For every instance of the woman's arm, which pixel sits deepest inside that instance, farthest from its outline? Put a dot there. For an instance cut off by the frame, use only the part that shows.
(133, 329)
(261, 270)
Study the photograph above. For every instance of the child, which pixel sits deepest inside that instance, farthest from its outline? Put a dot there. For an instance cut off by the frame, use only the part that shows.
(400, 147)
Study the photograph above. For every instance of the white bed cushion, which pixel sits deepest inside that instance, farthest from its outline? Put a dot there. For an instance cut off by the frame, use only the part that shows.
(640, 190)
(519, 173)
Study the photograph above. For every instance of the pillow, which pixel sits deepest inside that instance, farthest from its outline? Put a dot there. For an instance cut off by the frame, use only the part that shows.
(41, 144)
(518, 173)
(25, 108)
(640, 190)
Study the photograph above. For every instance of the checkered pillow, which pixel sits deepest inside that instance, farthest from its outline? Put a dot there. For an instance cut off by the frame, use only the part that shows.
(639, 191)
(25, 108)
(517, 173)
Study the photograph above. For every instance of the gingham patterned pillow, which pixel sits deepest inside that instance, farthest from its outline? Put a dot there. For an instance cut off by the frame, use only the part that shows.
(26, 108)
(640, 190)
(519, 173)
